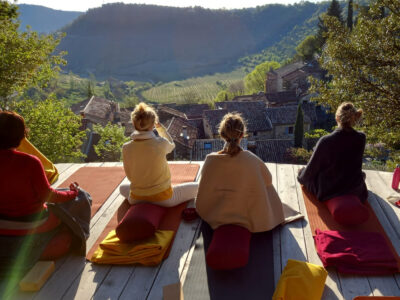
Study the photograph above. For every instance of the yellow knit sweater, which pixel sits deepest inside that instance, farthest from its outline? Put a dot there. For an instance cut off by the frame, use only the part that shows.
(146, 165)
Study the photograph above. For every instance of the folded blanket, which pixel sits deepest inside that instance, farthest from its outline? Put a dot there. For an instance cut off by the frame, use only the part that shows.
(148, 252)
(365, 253)
(49, 168)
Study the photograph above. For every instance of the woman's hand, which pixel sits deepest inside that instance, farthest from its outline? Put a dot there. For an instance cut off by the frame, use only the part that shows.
(157, 125)
(74, 187)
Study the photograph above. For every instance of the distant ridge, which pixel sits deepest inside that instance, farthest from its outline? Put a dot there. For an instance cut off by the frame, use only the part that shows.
(43, 19)
(158, 43)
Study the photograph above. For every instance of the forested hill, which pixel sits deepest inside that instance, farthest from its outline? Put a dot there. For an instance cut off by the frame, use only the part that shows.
(43, 19)
(148, 42)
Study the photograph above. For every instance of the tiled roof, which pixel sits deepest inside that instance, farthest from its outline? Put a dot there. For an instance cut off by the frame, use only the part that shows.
(203, 147)
(252, 111)
(214, 117)
(255, 97)
(171, 111)
(289, 68)
(273, 150)
(98, 110)
(285, 115)
(175, 129)
(77, 108)
(192, 111)
(282, 97)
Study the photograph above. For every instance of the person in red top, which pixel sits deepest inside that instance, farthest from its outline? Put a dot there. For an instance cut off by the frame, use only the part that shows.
(25, 189)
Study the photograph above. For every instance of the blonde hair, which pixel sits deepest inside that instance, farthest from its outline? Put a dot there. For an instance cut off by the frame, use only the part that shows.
(144, 117)
(347, 115)
(232, 128)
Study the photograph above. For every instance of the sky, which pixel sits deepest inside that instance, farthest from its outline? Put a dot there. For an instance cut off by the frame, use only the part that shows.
(83, 5)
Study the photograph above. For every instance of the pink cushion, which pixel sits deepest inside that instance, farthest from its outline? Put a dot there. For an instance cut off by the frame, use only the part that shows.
(347, 210)
(229, 248)
(140, 222)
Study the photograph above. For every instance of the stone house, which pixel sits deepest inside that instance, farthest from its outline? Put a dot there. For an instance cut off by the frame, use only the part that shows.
(276, 81)
(292, 77)
(283, 119)
(257, 122)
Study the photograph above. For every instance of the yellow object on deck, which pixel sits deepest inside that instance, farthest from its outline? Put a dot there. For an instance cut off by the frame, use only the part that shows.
(301, 281)
(37, 276)
(49, 168)
(148, 252)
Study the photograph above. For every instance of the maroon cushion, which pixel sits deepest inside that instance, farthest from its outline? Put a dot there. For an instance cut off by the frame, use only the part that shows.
(347, 210)
(58, 246)
(229, 248)
(140, 222)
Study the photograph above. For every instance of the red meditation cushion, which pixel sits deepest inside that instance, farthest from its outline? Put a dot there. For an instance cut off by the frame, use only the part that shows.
(189, 214)
(229, 248)
(58, 246)
(140, 222)
(347, 210)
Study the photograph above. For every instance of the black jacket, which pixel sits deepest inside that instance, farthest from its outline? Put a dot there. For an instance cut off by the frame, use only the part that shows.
(76, 215)
(335, 166)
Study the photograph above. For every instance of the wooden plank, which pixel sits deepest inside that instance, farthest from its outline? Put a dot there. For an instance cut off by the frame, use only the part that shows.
(110, 164)
(61, 167)
(380, 184)
(388, 216)
(353, 286)
(292, 236)
(114, 283)
(172, 267)
(276, 232)
(332, 285)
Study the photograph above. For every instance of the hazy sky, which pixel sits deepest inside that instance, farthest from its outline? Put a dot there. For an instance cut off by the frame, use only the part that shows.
(83, 5)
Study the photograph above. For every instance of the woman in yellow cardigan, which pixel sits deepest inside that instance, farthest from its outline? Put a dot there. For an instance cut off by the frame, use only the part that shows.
(146, 166)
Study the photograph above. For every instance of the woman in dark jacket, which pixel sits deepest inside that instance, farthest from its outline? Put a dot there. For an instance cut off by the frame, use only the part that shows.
(335, 166)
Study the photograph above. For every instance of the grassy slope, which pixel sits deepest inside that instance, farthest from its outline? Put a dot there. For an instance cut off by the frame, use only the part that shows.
(206, 87)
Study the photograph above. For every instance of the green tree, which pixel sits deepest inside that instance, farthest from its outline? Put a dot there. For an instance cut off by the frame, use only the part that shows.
(315, 133)
(130, 101)
(364, 67)
(254, 82)
(53, 129)
(350, 15)
(334, 10)
(299, 128)
(112, 137)
(108, 94)
(27, 58)
(308, 47)
(8, 10)
(224, 96)
(90, 90)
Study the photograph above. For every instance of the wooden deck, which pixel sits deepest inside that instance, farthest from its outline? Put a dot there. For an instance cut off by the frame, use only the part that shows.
(75, 278)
